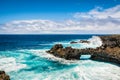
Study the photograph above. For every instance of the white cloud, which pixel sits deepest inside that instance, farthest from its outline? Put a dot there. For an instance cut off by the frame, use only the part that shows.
(94, 21)
(99, 13)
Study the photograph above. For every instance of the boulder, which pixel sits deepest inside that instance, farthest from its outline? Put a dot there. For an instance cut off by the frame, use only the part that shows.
(4, 76)
(73, 42)
(84, 41)
(67, 52)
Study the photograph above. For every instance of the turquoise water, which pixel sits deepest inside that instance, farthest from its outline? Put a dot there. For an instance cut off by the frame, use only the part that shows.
(24, 58)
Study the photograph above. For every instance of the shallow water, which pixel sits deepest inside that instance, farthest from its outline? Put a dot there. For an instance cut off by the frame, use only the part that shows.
(26, 59)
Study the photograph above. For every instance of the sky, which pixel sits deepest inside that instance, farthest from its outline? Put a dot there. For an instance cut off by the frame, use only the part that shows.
(59, 16)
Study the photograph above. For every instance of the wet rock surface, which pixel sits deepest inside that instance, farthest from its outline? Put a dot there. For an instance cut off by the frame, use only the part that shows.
(109, 51)
(84, 41)
(4, 76)
(67, 52)
(111, 41)
(73, 42)
(81, 41)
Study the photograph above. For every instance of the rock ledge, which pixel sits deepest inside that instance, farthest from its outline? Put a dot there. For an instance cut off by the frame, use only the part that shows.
(109, 51)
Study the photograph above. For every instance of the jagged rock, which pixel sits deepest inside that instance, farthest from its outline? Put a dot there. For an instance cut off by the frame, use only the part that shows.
(111, 41)
(109, 51)
(81, 41)
(73, 42)
(108, 54)
(67, 53)
(4, 76)
(84, 41)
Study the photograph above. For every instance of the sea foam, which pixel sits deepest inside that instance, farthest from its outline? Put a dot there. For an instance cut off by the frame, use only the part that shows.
(95, 41)
(9, 64)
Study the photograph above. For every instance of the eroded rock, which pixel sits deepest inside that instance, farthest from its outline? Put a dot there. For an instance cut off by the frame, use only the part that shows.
(109, 51)
(4, 76)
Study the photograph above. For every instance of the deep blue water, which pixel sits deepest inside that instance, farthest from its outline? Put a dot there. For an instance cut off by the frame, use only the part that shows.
(11, 42)
(23, 57)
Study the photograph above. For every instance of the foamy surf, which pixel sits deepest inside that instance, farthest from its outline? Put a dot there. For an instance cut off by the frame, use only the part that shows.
(85, 70)
(95, 42)
(43, 54)
(9, 64)
(36, 64)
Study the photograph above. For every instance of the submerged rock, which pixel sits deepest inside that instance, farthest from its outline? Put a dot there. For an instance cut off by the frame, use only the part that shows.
(109, 51)
(4, 76)
(73, 42)
(84, 41)
(81, 41)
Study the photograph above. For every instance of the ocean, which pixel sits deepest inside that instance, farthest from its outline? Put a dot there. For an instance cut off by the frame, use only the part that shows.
(24, 57)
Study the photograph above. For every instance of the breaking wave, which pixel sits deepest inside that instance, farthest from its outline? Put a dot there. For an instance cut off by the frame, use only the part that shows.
(60, 69)
(95, 41)
(36, 64)
(9, 64)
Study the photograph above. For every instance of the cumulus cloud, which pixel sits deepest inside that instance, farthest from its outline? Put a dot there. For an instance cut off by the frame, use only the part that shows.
(99, 13)
(95, 21)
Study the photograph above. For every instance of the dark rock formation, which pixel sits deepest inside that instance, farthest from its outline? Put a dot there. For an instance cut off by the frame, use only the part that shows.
(111, 41)
(81, 41)
(108, 54)
(109, 51)
(84, 41)
(4, 76)
(73, 42)
(67, 53)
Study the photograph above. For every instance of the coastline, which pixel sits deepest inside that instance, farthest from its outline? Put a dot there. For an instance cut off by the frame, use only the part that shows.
(109, 50)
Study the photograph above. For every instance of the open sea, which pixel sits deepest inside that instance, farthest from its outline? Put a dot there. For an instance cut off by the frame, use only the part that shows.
(24, 57)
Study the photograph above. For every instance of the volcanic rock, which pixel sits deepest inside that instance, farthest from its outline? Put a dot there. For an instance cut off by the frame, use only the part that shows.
(84, 41)
(73, 42)
(4, 76)
(109, 51)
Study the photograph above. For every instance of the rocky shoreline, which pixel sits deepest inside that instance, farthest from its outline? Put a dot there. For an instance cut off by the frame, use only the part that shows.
(108, 51)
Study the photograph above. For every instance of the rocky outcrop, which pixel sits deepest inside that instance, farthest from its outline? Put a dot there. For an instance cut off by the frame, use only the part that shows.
(81, 41)
(4, 76)
(67, 53)
(110, 41)
(109, 51)
(73, 42)
(108, 54)
(84, 41)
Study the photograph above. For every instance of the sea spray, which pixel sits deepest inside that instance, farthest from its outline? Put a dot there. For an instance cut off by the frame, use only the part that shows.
(9, 64)
(43, 66)
(96, 41)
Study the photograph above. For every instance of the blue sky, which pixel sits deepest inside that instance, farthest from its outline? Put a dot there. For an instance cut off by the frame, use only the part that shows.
(48, 9)
(53, 10)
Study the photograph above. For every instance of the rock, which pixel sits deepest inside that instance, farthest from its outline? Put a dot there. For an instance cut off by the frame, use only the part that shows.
(73, 42)
(109, 51)
(84, 41)
(111, 41)
(81, 41)
(4, 76)
(67, 53)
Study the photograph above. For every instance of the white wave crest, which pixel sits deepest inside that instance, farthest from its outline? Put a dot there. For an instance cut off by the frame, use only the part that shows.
(43, 54)
(86, 70)
(10, 64)
(96, 41)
